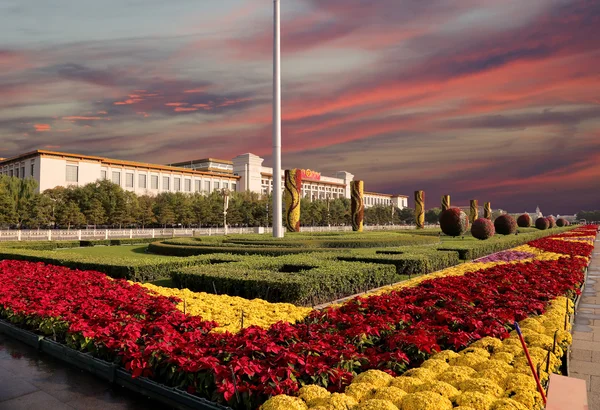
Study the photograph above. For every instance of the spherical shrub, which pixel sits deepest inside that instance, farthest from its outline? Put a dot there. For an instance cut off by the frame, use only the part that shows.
(561, 222)
(505, 225)
(454, 222)
(482, 229)
(551, 222)
(524, 221)
(542, 223)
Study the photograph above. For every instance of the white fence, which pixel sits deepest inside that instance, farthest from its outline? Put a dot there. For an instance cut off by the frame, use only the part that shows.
(99, 234)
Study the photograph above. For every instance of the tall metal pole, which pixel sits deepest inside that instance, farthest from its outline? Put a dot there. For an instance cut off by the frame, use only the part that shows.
(277, 201)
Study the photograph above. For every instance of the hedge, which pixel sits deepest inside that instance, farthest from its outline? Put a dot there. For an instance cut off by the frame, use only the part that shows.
(469, 250)
(135, 269)
(40, 245)
(412, 261)
(306, 280)
(167, 248)
(317, 243)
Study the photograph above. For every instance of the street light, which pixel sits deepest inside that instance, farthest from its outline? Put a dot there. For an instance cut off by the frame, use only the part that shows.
(277, 194)
(225, 208)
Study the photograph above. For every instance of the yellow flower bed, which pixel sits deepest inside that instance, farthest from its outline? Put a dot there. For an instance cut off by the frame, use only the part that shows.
(227, 310)
(491, 374)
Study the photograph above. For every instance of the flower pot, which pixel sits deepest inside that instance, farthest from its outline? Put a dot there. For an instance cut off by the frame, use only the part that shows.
(29, 338)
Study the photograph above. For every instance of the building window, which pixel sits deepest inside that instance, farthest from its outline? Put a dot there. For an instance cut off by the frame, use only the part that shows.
(72, 173)
(23, 172)
(103, 174)
(17, 172)
(154, 181)
(233, 186)
(197, 185)
(129, 180)
(188, 185)
(32, 169)
(207, 186)
(142, 181)
(177, 184)
(116, 177)
(165, 184)
(10, 172)
(226, 185)
(216, 186)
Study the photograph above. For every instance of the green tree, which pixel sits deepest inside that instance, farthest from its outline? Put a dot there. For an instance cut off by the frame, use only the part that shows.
(22, 192)
(163, 210)
(8, 216)
(432, 215)
(68, 214)
(95, 214)
(39, 212)
(146, 213)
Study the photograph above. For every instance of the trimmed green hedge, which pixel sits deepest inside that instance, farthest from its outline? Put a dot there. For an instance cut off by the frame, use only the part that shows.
(410, 261)
(40, 245)
(343, 242)
(300, 279)
(135, 269)
(166, 248)
(471, 249)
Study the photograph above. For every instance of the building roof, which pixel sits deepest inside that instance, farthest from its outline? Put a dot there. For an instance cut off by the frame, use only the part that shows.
(109, 161)
(201, 160)
(387, 195)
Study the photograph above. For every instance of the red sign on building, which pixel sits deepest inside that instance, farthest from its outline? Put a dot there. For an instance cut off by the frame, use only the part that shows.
(311, 175)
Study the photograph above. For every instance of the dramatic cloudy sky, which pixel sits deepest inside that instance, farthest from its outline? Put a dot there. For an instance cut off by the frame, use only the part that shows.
(497, 100)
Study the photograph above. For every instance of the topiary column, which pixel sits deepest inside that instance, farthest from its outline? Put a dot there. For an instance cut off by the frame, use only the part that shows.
(420, 209)
(293, 193)
(474, 212)
(357, 206)
(487, 211)
(445, 202)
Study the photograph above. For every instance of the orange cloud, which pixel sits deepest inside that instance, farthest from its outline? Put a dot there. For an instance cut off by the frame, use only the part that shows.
(185, 109)
(83, 118)
(42, 127)
(175, 104)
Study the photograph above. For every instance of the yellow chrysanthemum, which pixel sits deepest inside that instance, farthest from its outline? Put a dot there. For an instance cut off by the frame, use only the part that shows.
(425, 401)
(445, 355)
(284, 402)
(312, 392)
(488, 343)
(496, 375)
(481, 385)
(493, 364)
(456, 374)
(441, 388)
(478, 401)
(337, 401)
(390, 393)
(360, 391)
(375, 377)
(376, 404)
(507, 404)
(435, 365)
(421, 373)
(468, 360)
(531, 399)
(505, 357)
(519, 381)
(408, 384)
(532, 324)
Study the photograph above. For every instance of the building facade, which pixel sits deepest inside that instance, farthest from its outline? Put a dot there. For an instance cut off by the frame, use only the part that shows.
(244, 173)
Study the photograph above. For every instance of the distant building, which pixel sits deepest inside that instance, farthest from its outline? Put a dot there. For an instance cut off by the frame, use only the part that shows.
(244, 173)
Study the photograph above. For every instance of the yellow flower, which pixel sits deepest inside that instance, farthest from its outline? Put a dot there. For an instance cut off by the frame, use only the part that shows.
(481, 385)
(488, 343)
(493, 364)
(376, 404)
(408, 384)
(531, 399)
(519, 381)
(441, 388)
(496, 375)
(478, 401)
(425, 401)
(283, 402)
(505, 357)
(390, 393)
(375, 377)
(435, 365)
(360, 391)
(533, 324)
(311, 392)
(420, 373)
(337, 401)
(506, 404)
(469, 360)
(456, 374)
(445, 355)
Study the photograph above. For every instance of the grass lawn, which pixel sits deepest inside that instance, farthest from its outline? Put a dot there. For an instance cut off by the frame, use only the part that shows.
(134, 251)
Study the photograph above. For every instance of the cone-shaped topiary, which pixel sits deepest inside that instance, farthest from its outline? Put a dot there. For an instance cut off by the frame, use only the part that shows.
(561, 222)
(551, 221)
(505, 225)
(483, 229)
(524, 221)
(454, 222)
(542, 223)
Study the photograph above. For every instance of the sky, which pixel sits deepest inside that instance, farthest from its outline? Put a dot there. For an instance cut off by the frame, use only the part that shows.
(491, 100)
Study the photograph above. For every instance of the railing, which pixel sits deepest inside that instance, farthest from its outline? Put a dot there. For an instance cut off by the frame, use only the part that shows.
(99, 234)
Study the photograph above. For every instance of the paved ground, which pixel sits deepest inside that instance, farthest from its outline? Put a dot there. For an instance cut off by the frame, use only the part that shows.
(585, 353)
(30, 380)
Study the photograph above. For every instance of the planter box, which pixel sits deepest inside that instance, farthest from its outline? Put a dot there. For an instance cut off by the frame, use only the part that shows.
(29, 338)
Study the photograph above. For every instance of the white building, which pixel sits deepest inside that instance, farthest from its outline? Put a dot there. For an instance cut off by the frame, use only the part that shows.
(245, 173)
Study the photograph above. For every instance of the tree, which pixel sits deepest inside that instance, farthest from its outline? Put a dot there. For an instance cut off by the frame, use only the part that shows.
(68, 214)
(8, 216)
(146, 213)
(163, 211)
(22, 192)
(432, 216)
(406, 216)
(95, 214)
(39, 212)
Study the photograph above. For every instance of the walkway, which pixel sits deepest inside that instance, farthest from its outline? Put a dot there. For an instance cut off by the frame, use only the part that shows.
(585, 353)
(30, 380)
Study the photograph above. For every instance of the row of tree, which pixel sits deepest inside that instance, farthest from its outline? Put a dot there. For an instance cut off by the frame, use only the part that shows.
(104, 204)
(589, 216)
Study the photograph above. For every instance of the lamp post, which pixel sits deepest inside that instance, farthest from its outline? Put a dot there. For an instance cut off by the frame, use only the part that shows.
(225, 208)
(277, 200)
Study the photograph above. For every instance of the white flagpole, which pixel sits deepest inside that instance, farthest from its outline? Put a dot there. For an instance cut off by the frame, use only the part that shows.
(277, 201)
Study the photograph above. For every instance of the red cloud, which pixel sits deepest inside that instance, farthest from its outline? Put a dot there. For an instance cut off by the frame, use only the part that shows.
(42, 127)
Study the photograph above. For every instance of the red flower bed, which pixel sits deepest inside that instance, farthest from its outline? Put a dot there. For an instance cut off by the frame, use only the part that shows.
(564, 247)
(393, 331)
